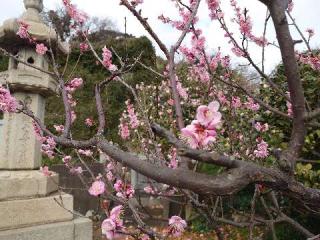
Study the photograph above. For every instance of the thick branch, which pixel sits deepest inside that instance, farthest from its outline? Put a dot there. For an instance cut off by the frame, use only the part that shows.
(286, 44)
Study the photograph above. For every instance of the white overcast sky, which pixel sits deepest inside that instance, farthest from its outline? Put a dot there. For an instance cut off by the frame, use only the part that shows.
(306, 12)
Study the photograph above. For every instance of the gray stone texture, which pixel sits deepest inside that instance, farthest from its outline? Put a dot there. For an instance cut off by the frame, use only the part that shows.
(33, 211)
(77, 229)
(21, 184)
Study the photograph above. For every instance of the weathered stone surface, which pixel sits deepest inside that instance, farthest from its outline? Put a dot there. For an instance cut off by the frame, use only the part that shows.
(78, 229)
(34, 211)
(19, 147)
(22, 184)
(37, 29)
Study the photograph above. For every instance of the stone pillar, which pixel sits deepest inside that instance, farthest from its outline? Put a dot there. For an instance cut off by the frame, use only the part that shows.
(30, 205)
(19, 148)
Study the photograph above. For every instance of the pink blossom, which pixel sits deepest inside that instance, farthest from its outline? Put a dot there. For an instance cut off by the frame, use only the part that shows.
(7, 102)
(23, 30)
(203, 130)
(310, 32)
(76, 82)
(45, 171)
(89, 122)
(177, 226)
(66, 159)
(209, 114)
(110, 176)
(148, 189)
(114, 223)
(214, 7)
(134, 122)
(97, 188)
(123, 190)
(110, 166)
(108, 228)
(262, 149)
(48, 146)
(251, 105)
(237, 51)
(76, 170)
(84, 47)
(124, 131)
(222, 98)
(107, 59)
(182, 91)
(87, 153)
(78, 16)
(261, 127)
(144, 237)
(236, 102)
(118, 185)
(59, 128)
(41, 49)
(37, 132)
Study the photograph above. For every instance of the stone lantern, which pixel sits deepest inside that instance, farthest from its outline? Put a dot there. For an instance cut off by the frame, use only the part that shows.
(30, 205)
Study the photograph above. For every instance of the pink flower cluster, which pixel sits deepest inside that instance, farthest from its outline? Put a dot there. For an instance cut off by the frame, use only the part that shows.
(251, 104)
(310, 32)
(245, 25)
(202, 131)
(134, 122)
(236, 102)
(124, 190)
(97, 188)
(124, 130)
(48, 146)
(87, 153)
(73, 170)
(23, 30)
(261, 127)
(262, 149)
(107, 60)
(176, 226)
(129, 120)
(59, 128)
(89, 122)
(41, 49)
(214, 8)
(45, 171)
(185, 15)
(198, 60)
(7, 102)
(83, 47)
(24, 34)
(114, 223)
(74, 85)
(109, 169)
(71, 87)
(79, 17)
(312, 60)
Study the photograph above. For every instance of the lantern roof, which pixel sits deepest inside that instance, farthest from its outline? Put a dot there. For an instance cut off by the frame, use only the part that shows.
(37, 30)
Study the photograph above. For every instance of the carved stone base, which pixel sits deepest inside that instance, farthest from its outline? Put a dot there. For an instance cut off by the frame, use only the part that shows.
(22, 184)
(35, 211)
(77, 229)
